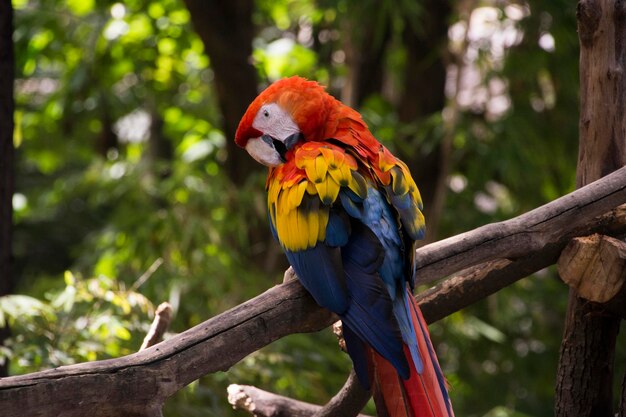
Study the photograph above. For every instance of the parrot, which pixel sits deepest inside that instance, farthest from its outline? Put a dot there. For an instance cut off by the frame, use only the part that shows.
(347, 214)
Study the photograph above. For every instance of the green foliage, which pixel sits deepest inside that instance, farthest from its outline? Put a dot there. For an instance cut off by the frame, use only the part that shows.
(121, 178)
(499, 345)
(89, 319)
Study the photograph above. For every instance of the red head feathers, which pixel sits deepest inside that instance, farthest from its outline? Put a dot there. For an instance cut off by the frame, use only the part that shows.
(298, 106)
(305, 101)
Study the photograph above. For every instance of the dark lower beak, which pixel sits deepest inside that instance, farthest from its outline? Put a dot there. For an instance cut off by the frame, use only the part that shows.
(280, 147)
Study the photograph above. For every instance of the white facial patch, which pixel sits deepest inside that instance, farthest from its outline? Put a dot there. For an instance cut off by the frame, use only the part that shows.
(274, 121)
(263, 152)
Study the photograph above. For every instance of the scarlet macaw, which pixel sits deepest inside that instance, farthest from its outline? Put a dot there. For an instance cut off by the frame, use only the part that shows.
(347, 214)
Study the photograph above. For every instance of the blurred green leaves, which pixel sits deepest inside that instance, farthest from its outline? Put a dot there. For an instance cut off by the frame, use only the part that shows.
(284, 58)
(89, 319)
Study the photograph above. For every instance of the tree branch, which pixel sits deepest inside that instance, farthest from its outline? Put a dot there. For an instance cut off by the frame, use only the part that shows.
(553, 223)
(473, 285)
(480, 281)
(594, 266)
(112, 388)
(347, 403)
(261, 403)
(349, 400)
(590, 330)
(129, 385)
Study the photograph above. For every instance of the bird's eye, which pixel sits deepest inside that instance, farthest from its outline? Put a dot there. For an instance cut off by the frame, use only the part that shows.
(266, 114)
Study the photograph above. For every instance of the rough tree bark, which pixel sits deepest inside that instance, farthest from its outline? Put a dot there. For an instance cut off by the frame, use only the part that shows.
(7, 179)
(590, 330)
(138, 384)
(226, 30)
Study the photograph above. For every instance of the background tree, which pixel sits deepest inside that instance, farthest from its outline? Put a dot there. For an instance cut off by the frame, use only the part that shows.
(127, 175)
(7, 76)
(590, 330)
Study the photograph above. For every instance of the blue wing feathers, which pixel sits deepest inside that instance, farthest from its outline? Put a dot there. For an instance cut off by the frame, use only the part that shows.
(402, 309)
(338, 229)
(370, 314)
(321, 273)
(358, 353)
(351, 203)
(359, 272)
(364, 250)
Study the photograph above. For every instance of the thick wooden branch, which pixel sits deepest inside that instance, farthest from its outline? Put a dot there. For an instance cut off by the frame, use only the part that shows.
(554, 223)
(473, 285)
(138, 384)
(480, 281)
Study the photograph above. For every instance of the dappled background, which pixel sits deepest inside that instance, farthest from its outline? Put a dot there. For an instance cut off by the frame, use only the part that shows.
(131, 192)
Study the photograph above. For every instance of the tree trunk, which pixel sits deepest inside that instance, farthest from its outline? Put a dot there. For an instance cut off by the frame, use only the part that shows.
(622, 404)
(160, 151)
(106, 139)
(424, 95)
(365, 53)
(226, 30)
(7, 179)
(585, 371)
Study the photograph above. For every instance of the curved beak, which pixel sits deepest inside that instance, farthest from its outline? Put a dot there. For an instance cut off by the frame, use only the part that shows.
(264, 151)
(270, 151)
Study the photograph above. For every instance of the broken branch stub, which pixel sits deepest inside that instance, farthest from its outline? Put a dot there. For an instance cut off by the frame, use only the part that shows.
(594, 266)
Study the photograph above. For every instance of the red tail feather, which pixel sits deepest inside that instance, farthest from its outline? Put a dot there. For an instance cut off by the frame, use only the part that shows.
(422, 395)
(389, 394)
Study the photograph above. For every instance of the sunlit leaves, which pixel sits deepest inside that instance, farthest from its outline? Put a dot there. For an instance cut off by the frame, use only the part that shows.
(283, 58)
(284, 14)
(80, 7)
(15, 306)
(87, 320)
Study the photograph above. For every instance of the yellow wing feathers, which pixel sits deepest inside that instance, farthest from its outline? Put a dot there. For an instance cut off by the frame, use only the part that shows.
(405, 197)
(329, 168)
(402, 183)
(300, 196)
(301, 192)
